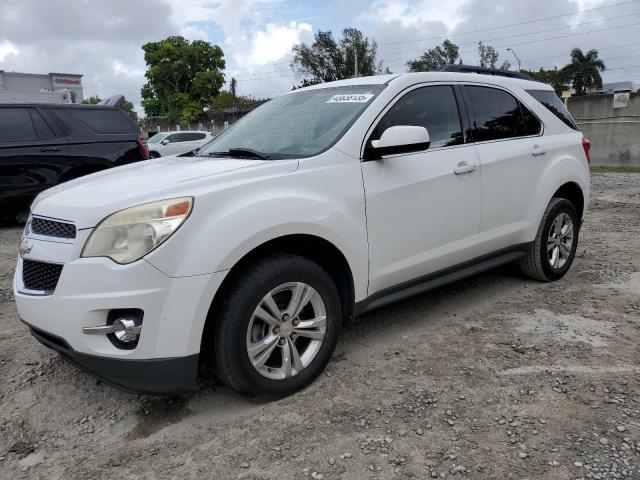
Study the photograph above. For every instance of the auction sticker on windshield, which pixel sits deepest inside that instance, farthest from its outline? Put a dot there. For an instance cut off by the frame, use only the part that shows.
(351, 98)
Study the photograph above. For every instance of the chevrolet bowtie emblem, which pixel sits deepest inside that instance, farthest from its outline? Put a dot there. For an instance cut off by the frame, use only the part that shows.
(25, 248)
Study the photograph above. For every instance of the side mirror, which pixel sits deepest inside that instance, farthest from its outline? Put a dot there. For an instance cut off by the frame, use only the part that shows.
(401, 139)
(164, 142)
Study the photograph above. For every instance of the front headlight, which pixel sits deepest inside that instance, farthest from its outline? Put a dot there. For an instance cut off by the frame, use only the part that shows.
(128, 235)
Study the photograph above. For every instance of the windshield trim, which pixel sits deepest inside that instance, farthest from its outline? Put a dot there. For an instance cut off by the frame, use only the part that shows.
(288, 156)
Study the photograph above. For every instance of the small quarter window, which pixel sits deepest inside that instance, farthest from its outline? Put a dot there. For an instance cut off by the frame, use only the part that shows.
(551, 101)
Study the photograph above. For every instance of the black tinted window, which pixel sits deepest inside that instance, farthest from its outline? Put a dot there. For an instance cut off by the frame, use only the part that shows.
(434, 108)
(15, 125)
(197, 136)
(105, 120)
(533, 126)
(42, 129)
(554, 104)
(173, 138)
(495, 114)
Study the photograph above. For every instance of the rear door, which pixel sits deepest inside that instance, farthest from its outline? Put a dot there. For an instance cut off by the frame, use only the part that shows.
(508, 138)
(174, 145)
(30, 151)
(422, 216)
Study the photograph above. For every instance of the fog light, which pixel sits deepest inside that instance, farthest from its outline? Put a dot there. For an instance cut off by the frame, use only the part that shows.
(126, 330)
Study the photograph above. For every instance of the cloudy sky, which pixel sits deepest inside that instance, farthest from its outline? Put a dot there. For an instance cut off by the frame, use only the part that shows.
(102, 38)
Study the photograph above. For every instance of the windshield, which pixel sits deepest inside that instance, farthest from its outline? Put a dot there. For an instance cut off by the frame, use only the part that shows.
(300, 124)
(157, 138)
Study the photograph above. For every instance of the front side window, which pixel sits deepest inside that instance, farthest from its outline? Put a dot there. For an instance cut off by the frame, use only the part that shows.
(300, 124)
(16, 125)
(495, 114)
(434, 108)
(157, 138)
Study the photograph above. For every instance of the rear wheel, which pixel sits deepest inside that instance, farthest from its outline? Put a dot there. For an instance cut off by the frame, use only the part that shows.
(552, 253)
(154, 155)
(276, 327)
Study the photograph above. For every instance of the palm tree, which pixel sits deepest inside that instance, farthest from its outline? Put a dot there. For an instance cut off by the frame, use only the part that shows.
(584, 70)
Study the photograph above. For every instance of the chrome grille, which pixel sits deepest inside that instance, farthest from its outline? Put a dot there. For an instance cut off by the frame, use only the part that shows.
(40, 276)
(52, 228)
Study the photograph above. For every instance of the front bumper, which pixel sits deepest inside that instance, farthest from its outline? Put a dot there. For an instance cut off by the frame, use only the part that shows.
(152, 376)
(175, 310)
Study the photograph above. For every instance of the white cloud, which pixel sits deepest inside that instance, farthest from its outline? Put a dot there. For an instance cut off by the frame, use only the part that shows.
(409, 13)
(274, 43)
(6, 49)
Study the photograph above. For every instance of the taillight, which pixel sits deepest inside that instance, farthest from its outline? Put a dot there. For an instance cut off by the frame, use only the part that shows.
(586, 144)
(142, 143)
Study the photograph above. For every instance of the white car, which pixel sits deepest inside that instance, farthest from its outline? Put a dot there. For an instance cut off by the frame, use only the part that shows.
(176, 143)
(320, 205)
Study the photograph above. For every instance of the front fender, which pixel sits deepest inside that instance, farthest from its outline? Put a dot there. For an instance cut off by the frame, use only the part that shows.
(227, 225)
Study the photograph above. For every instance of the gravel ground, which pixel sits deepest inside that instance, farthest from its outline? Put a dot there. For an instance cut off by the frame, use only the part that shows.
(492, 377)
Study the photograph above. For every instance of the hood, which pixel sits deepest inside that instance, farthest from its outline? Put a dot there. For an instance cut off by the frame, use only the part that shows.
(87, 200)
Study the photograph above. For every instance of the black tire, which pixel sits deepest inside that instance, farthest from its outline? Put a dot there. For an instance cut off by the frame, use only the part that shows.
(231, 361)
(154, 155)
(536, 264)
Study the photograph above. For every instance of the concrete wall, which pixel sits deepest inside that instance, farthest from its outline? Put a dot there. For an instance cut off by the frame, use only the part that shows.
(614, 133)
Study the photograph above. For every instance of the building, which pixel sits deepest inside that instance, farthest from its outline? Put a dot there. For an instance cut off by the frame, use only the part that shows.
(614, 87)
(32, 87)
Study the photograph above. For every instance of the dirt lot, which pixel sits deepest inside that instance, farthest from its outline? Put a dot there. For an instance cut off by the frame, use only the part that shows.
(492, 377)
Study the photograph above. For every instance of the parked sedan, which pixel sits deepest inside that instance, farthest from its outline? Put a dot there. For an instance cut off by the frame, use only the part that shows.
(176, 143)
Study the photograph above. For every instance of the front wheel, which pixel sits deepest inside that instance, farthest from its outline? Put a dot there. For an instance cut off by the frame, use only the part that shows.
(552, 253)
(276, 327)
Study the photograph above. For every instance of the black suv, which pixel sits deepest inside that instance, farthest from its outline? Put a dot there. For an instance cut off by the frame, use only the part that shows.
(42, 145)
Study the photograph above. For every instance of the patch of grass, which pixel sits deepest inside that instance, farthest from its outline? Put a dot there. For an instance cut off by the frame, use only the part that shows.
(615, 169)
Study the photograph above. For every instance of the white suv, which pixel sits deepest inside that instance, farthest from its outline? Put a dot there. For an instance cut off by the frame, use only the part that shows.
(176, 143)
(320, 205)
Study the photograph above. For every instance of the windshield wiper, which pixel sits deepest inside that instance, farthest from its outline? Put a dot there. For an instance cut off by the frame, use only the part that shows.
(241, 152)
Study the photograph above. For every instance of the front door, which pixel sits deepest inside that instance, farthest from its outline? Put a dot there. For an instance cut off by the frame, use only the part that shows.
(423, 209)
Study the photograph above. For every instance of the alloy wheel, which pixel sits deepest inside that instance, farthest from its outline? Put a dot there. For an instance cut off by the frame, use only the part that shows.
(286, 331)
(560, 241)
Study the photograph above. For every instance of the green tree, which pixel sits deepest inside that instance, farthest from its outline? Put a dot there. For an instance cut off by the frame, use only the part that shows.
(435, 58)
(489, 57)
(183, 77)
(554, 77)
(93, 100)
(225, 100)
(584, 70)
(326, 60)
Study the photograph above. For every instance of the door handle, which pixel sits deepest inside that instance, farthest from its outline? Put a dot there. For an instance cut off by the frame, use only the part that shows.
(465, 167)
(537, 151)
(52, 149)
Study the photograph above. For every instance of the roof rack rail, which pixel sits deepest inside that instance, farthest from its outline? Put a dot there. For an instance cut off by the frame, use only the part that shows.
(484, 71)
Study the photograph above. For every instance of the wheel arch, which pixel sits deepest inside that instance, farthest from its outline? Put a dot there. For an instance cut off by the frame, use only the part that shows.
(313, 247)
(572, 192)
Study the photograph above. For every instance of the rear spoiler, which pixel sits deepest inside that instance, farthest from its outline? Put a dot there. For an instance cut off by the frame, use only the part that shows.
(115, 101)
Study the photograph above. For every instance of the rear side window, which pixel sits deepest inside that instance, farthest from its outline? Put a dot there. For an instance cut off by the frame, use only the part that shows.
(554, 105)
(105, 121)
(434, 108)
(42, 129)
(16, 125)
(495, 114)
